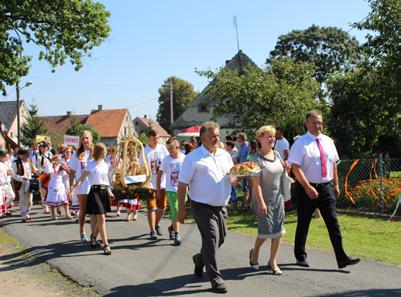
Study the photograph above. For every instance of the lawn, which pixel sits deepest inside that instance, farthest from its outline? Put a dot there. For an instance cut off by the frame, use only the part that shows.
(374, 239)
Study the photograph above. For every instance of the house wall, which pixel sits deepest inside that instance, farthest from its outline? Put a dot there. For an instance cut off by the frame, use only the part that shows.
(127, 128)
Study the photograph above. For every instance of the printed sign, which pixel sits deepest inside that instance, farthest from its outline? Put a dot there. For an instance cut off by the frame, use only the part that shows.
(71, 140)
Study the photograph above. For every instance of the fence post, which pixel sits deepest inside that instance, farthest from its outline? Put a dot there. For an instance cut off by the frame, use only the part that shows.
(381, 182)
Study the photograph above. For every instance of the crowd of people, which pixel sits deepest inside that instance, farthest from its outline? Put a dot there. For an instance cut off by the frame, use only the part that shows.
(80, 181)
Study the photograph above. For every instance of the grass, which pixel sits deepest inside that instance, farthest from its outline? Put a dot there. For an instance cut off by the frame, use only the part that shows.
(368, 238)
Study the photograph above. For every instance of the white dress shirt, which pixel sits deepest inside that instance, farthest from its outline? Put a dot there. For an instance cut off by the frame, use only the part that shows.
(206, 174)
(305, 153)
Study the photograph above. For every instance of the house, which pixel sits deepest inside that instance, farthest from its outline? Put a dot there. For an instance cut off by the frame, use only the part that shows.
(201, 108)
(8, 118)
(143, 124)
(111, 124)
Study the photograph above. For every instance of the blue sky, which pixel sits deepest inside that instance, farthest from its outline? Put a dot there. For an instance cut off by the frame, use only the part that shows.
(151, 40)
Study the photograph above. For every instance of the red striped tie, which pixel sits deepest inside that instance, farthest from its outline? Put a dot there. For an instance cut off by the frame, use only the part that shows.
(322, 158)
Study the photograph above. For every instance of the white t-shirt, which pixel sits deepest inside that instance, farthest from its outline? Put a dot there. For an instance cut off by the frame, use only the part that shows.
(171, 168)
(98, 173)
(155, 157)
(305, 153)
(281, 146)
(206, 174)
(78, 166)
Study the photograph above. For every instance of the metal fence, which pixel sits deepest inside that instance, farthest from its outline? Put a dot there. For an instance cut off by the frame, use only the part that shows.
(370, 184)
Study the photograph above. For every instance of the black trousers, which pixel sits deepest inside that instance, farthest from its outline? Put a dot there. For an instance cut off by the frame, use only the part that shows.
(212, 227)
(326, 203)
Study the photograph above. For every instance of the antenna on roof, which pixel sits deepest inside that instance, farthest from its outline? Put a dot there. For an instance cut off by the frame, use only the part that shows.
(235, 24)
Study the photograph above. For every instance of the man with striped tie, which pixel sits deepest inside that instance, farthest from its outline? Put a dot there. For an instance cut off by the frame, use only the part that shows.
(313, 157)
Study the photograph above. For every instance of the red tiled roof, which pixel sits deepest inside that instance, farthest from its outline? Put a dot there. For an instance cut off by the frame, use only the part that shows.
(149, 123)
(107, 122)
(59, 124)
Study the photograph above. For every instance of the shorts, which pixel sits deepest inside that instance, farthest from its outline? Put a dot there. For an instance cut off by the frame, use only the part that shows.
(173, 204)
(153, 203)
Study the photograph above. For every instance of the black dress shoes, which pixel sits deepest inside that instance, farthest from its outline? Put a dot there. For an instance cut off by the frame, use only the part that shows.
(219, 288)
(349, 261)
(198, 271)
(303, 263)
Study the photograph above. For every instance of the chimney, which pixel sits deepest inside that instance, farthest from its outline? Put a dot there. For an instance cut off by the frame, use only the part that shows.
(145, 116)
(99, 107)
(69, 113)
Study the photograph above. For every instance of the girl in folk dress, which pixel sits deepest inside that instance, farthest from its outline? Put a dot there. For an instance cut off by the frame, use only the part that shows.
(66, 159)
(57, 194)
(78, 162)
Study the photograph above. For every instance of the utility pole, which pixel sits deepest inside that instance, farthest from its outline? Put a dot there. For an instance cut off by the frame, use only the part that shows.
(18, 123)
(171, 101)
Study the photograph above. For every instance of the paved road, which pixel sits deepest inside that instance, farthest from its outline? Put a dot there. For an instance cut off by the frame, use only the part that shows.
(139, 267)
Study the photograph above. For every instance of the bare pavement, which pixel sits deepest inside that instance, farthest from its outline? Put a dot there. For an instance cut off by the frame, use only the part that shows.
(140, 267)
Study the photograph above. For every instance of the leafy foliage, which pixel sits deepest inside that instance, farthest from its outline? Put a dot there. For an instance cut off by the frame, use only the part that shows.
(62, 29)
(280, 95)
(34, 126)
(183, 94)
(77, 130)
(328, 49)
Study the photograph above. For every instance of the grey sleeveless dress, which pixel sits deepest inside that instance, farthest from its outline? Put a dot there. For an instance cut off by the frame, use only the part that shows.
(271, 225)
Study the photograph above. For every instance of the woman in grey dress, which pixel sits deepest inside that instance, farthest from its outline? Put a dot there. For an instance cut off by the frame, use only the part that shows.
(269, 198)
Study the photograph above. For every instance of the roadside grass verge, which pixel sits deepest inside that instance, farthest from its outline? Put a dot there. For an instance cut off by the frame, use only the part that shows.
(368, 238)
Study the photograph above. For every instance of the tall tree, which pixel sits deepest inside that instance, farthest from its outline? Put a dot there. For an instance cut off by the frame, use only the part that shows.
(77, 130)
(62, 30)
(183, 95)
(279, 95)
(34, 126)
(328, 49)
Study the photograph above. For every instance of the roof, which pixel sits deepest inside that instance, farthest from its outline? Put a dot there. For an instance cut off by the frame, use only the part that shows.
(107, 122)
(200, 109)
(8, 112)
(59, 124)
(149, 123)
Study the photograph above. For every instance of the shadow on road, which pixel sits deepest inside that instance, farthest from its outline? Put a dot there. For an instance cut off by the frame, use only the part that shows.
(369, 293)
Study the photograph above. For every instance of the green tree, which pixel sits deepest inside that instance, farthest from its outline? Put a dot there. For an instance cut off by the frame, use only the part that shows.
(62, 30)
(77, 130)
(279, 95)
(183, 95)
(34, 126)
(328, 49)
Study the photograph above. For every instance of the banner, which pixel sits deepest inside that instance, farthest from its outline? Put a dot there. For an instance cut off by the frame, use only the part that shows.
(71, 140)
(40, 138)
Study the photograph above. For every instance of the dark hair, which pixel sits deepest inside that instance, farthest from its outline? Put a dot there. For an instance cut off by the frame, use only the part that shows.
(151, 132)
(230, 143)
(254, 145)
(189, 147)
(22, 152)
(172, 139)
(3, 154)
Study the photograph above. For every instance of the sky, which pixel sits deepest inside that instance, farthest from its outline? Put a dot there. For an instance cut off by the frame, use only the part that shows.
(152, 40)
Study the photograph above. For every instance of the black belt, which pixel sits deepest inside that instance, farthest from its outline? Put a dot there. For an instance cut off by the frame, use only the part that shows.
(320, 186)
(99, 187)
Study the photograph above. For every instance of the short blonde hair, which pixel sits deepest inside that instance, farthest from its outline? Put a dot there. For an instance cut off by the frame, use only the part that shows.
(98, 150)
(269, 129)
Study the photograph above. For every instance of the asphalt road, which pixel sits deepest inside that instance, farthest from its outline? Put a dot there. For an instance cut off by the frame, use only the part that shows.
(140, 267)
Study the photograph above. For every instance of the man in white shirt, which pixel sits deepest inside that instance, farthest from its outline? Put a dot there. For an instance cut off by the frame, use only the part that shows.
(204, 171)
(313, 158)
(22, 173)
(282, 145)
(155, 153)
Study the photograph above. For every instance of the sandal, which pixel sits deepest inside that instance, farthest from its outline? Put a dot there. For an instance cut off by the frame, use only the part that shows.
(253, 265)
(93, 245)
(106, 252)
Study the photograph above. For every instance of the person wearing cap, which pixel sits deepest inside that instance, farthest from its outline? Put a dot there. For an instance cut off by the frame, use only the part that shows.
(23, 169)
(41, 160)
(313, 159)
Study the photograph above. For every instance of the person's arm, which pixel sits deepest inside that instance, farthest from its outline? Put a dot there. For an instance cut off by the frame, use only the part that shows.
(335, 180)
(181, 194)
(17, 177)
(262, 208)
(300, 176)
(84, 175)
(158, 183)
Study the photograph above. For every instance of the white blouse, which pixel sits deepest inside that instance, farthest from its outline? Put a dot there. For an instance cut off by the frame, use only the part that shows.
(98, 173)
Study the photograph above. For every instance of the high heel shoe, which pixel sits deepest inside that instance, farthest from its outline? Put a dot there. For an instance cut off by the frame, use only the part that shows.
(275, 272)
(106, 252)
(93, 238)
(253, 265)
